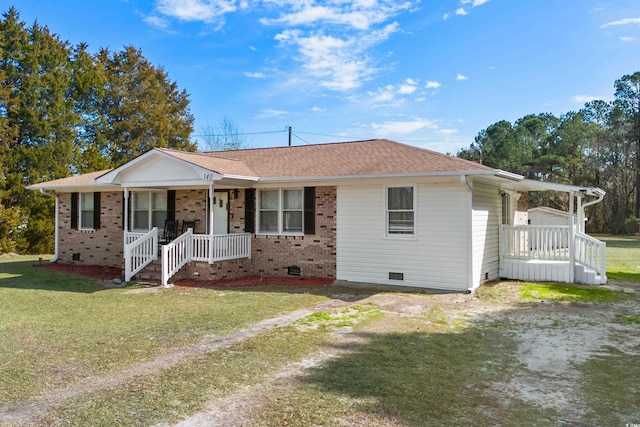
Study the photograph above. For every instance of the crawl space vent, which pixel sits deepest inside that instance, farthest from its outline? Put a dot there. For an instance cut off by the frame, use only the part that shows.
(294, 270)
(396, 276)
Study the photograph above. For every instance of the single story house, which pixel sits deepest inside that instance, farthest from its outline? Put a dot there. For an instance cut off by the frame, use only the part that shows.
(373, 211)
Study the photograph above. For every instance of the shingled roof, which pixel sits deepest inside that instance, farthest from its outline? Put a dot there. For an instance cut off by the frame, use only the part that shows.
(370, 157)
(375, 157)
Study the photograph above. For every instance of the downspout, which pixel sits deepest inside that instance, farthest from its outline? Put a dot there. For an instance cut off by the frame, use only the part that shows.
(56, 232)
(591, 203)
(465, 181)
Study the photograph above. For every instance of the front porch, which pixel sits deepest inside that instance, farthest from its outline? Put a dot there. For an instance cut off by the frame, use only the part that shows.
(141, 249)
(551, 254)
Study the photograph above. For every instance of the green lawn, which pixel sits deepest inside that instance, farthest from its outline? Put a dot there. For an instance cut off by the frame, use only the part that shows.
(623, 257)
(416, 367)
(56, 327)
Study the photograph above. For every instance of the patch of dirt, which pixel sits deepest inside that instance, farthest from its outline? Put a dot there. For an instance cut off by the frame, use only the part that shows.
(93, 271)
(552, 339)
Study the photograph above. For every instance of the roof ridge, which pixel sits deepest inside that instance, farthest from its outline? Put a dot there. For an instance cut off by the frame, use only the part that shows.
(296, 146)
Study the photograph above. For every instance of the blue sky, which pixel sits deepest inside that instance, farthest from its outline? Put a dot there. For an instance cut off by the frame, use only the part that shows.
(430, 73)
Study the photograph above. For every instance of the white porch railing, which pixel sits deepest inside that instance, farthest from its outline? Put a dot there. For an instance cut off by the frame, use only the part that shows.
(140, 250)
(221, 247)
(555, 255)
(175, 255)
(591, 253)
(535, 242)
(203, 247)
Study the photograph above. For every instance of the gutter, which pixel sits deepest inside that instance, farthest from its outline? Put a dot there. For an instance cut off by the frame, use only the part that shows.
(56, 232)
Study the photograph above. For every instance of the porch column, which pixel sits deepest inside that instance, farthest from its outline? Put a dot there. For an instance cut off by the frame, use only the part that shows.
(126, 209)
(580, 215)
(211, 241)
(572, 238)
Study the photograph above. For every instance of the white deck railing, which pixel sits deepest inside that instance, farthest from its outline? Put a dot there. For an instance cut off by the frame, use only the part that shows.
(203, 247)
(553, 243)
(140, 250)
(591, 253)
(175, 255)
(535, 242)
(221, 247)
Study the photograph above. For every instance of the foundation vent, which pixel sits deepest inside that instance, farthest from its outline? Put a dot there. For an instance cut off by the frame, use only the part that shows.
(293, 270)
(396, 276)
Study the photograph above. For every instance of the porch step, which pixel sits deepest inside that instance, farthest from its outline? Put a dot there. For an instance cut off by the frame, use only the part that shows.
(586, 275)
(152, 273)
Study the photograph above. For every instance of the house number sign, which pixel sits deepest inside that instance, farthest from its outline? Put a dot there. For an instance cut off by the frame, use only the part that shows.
(208, 176)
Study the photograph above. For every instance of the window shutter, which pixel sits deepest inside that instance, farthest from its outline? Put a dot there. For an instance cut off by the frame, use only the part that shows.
(250, 210)
(74, 210)
(309, 210)
(171, 205)
(96, 210)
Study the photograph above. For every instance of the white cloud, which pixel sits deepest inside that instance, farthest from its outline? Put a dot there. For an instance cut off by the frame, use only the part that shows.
(396, 128)
(196, 10)
(474, 3)
(256, 75)
(270, 113)
(432, 85)
(156, 21)
(408, 87)
(627, 39)
(447, 131)
(445, 16)
(340, 64)
(383, 94)
(360, 15)
(582, 99)
(461, 11)
(625, 21)
(318, 109)
(461, 77)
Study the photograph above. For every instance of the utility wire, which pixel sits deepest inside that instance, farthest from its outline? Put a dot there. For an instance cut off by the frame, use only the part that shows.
(306, 142)
(240, 133)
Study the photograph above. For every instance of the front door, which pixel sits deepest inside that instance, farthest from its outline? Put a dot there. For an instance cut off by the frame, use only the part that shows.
(220, 212)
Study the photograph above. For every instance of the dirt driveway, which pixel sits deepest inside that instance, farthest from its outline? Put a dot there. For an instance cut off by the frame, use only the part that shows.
(552, 343)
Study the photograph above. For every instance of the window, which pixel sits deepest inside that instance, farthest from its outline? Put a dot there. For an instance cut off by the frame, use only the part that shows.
(149, 210)
(506, 209)
(400, 211)
(280, 211)
(87, 207)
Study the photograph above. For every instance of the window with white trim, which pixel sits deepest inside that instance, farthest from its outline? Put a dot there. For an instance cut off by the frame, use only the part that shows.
(280, 211)
(400, 212)
(507, 218)
(87, 211)
(149, 209)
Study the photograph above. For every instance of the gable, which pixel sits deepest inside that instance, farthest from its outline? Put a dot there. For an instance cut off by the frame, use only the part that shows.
(156, 168)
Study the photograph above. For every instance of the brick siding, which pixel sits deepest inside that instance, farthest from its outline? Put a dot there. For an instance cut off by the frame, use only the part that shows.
(315, 254)
(95, 247)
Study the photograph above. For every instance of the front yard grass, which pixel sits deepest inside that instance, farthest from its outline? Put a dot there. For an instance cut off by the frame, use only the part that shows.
(438, 360)
(57, 328)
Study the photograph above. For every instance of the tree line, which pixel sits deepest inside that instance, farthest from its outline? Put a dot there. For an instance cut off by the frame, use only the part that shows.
(65, 111)
(598, 146)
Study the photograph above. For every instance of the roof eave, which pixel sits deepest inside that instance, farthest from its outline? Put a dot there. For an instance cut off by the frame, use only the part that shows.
(494, 172)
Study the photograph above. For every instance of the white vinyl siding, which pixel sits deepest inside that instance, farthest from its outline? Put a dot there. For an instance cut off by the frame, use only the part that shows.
(436, 258)
(487, 216)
